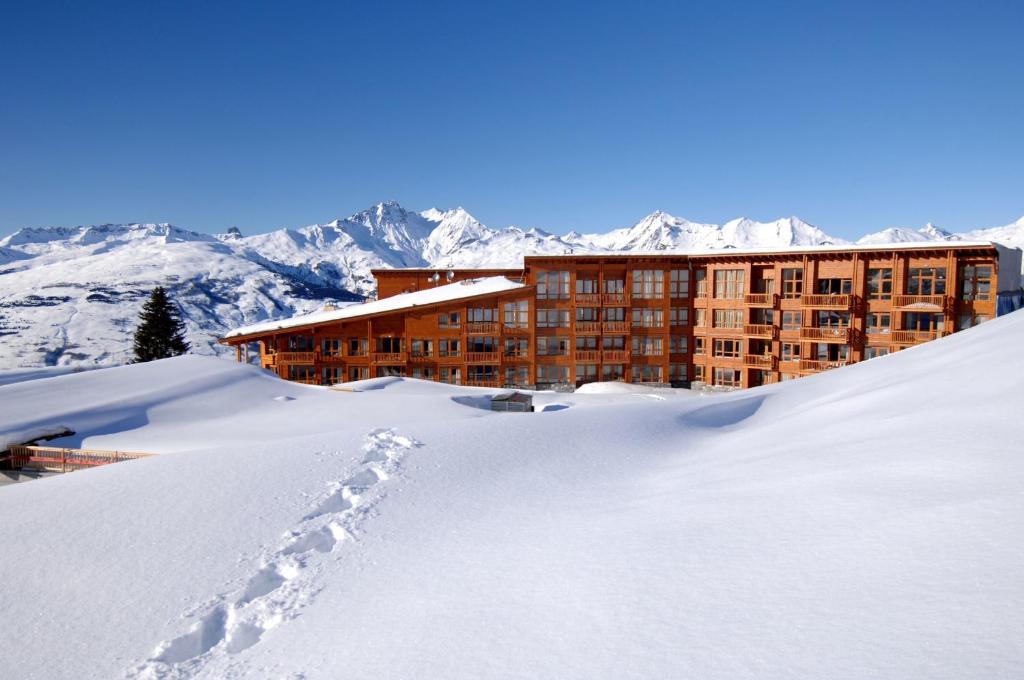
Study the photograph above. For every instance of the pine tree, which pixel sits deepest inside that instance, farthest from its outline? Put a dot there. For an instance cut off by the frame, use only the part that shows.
(160, 333)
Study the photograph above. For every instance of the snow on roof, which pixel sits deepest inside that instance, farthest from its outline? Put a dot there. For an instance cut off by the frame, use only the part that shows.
(431, 296)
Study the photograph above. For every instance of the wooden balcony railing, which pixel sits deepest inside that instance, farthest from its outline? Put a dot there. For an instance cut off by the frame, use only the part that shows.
(330, 358)
(449, 357)
(827, 301)
(925, 302)
(516, 355)
(615, 327)
(614, 356)
(515, 328)
(588, 299)
(588, 327)
(590, 356)
(482, 382)
(389, 357)
(420, 357)
(296, 357)
(766, 361)
(761, 299)
(614, 299)
(269, 360)
(827, 334)
(914, 337)
(811, 366)
(483, 357)
(760, 330)
(482, 327)
(648, 352)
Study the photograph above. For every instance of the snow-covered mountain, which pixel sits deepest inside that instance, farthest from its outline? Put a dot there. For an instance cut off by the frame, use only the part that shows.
(71, 296)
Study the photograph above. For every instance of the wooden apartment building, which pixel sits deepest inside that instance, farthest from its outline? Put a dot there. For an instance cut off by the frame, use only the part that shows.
(727, 318)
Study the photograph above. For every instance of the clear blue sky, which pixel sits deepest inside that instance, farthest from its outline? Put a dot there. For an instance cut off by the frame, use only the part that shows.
(855, 116)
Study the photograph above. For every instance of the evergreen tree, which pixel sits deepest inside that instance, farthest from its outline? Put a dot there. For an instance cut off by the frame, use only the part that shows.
(160, 333)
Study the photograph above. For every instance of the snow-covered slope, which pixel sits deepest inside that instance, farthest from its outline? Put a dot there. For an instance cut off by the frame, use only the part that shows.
(70, 296)
(855, 524)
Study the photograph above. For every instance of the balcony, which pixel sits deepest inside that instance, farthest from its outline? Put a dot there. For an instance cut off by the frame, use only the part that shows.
(420, 357)
(936, 303)
(812, 366)
(589, 356)
(841, 334)
(588, 328)
(516, 355)
(482, 382)
(330, 358)
(482, 328)
(761, 300)
(614, 299)
(296, 357)
(827, 301)
(389, 357)
(614, 356)
(269, 360)
(483, 357)
(449, 357)
(914, 337)
(765, 361)
(588, 299)
(760, 330)
(728, 330)
(615, 327)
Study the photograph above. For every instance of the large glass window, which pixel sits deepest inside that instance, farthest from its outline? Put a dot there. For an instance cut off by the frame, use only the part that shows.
(977, 283)
(727, 349)
(482, 343)
(482, 314)
(833, 319)
(927, 281)
(792, 283)
(613, 314)
(300, 343)
(552, 285)
(614, 286)
(612, 372)
(648, 283)
(648, 318)
(586, 373)
(791, 321)
(727, 377)
(880, 284)
(586, 286)
(552, 318)
(679, 316)
(835, 286)
(678, 344)
(517, 314)
(586, 342)
(449, 320)
(548, 346)
(728, 318)
(790, 351)
(332, 348)
(517, 348)
(878, 323)
(587, 313)
(923, 321)
(679, 283)
(647, 346)
(552, 375)
(448, 347)
(647, 374)
(729, 284)
(701, 276)
(421, 347)
(613, 342)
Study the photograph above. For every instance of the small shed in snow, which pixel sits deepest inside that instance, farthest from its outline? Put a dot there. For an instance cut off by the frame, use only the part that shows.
(512, 401)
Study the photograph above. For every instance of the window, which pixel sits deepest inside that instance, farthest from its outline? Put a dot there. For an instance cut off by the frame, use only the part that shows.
(727, 377)
(727, 349)
(552, 346)
(482, 315)
(880, 284)
(587, 313)
(552, 285)
(792, 283)
(332, 375)
(648, 283)
(678, 316)
(300, 343)
(790, 351)
(357, 347)
(728, 318)
(552, 375)
(833, 319)
(762, 317)
(878, 323)
(586, 373)
(482, 343)
(612, 372)
(517, 375)
(923, 321)
(423, 372)
(700, 318)
(679, 283)
(552, 318)
(788, 376)
(927, 281)
(701, 276)
(699, 346)
(874, 352)
(824, 351)
(586, 342)
(482, 373)
(835, 286)
(358, 372)
(614, 314)
(967, 320)
(332, 348)
(517, 314)
(647, 346)
(614, 286)
(389, 371)
(448, 348)
(677, 373)
(451, 375)
(518, 348)
(613, 342)
(449, 320)
(422, 348)
(646, 374)
(306, 374)
(390, 345)
(977, 283)
(729, 284)
(698, 373)
(678, 344)
(586, 286)
(648, 318)
(791, 321)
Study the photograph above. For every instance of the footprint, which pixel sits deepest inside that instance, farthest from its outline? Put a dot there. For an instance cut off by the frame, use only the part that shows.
(339, 501)
(320, 540)
(361, 481)
(204, 636)
(243, 636)
(267, 580)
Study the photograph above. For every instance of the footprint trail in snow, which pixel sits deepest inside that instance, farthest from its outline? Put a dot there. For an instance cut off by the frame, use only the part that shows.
(288, 578)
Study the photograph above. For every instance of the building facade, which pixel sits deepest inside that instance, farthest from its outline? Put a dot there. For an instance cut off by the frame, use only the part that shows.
(728, 319)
